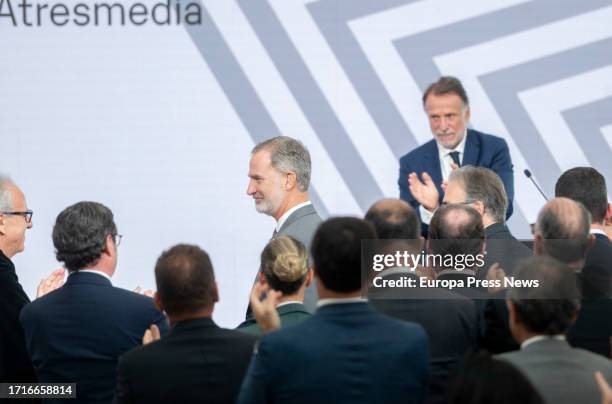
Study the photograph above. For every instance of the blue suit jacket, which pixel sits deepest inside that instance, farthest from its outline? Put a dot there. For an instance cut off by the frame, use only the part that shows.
(345, 353)
(77, 333)
(480, 150)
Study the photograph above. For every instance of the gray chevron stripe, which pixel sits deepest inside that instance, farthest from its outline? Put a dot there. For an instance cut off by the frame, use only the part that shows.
(503, 87)
(585, 123)
(311, 100)
(237, 87)
(359, 70)
(418, 51)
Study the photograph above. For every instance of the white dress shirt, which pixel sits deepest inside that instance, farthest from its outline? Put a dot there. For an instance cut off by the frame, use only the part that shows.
(445, 166)
(537, 338)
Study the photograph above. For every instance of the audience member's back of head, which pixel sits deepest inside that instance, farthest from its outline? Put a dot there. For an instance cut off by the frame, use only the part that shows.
(336, 252)
(80, 233)
(185, 280)
(456, 229)
(549, 308)
(484, 380)
(284, 264)
(394, 219)
(587, 186)
(563, 228)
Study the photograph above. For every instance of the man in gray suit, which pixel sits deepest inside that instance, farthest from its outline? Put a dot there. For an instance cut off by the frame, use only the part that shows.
(279, 173)
(539, 319)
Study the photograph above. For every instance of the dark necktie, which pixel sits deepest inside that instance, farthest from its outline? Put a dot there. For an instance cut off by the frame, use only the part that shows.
(274, 233)
(455, 156)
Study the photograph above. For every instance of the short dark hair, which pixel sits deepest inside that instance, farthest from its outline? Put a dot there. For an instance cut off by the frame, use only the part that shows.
(80, 232)
(452, 234)
(394, 220)
(447, 85)
(482, 379)
(336, 252)
(549, 308)
(564, 239)
(587, 186)
(185, 279)
(284, 264)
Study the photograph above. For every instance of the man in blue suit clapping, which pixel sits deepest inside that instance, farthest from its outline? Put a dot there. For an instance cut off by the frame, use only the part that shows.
(425, 170)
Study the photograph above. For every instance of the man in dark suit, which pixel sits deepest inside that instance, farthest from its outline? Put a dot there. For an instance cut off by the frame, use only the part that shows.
(450, 319)
(77, 333)
(539, 319)
(15, 220)
(360, 355)
(279, 172)
(424, 170)
(197, 362)
(562, 232)
(587, 186)
(482, 189)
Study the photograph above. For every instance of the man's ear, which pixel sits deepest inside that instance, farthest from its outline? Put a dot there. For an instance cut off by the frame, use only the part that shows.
(511, 311)
(109, 245)
(538, 244)
(468, 113)
(215, 293)
(608, 215)
(290, 181)
(157, 301)
(2, 224)
(309, 276)
(262, 279)
(479, 206)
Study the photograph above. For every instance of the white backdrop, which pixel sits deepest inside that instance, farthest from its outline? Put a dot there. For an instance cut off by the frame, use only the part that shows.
(157, 122)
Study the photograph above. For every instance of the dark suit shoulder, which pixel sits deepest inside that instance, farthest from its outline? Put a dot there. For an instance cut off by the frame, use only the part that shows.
(428, 148)
(487, 139)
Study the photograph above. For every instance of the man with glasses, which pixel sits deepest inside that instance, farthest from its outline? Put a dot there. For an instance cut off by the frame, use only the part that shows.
(77, 333)
(15, 219)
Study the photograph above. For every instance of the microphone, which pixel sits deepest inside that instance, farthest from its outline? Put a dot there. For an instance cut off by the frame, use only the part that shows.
(528, 175)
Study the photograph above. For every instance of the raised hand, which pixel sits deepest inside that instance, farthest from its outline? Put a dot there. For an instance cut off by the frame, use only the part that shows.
(496, 273)
(264, 309)
(50, 283)
(425, 192)
(151, 334)
(604, 388)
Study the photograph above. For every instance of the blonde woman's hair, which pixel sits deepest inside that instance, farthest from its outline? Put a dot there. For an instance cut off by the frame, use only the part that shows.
(284, 263)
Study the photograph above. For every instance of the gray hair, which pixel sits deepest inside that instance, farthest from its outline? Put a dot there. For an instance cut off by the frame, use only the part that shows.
(288, 155)
(484, 185)
(6, 196)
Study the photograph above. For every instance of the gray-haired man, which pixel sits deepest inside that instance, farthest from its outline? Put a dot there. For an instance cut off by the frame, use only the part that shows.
(279, 173)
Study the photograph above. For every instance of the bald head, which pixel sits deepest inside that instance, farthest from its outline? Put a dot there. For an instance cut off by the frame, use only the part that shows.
(562, 230)
(453, 222)
(394, 219)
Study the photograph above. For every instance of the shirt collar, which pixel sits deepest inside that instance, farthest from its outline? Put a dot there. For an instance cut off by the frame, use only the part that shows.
(288, 302)
(538, 338)
(92, 271)
(288, 213)
(328, 302)
(598, 231)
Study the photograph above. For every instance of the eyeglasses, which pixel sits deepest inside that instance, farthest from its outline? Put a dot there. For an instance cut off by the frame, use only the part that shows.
(117, 238)
(26, 214)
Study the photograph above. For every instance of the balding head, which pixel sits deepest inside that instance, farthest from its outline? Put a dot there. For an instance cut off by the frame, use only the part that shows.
(562, 230)
(394, 219)
(452, 223)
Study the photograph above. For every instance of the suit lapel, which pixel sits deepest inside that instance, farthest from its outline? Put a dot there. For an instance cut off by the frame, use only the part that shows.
(472, 149)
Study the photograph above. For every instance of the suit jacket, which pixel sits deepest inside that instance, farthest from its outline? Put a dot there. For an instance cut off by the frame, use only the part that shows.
(197, 362)
(77, 333)
(450, 320)
(497, 337)
(344, 353)
(502, 247)
(597, 271)
(15, 363)
(301, 225)
(289, 314)
(559, 373)
(480, 150)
